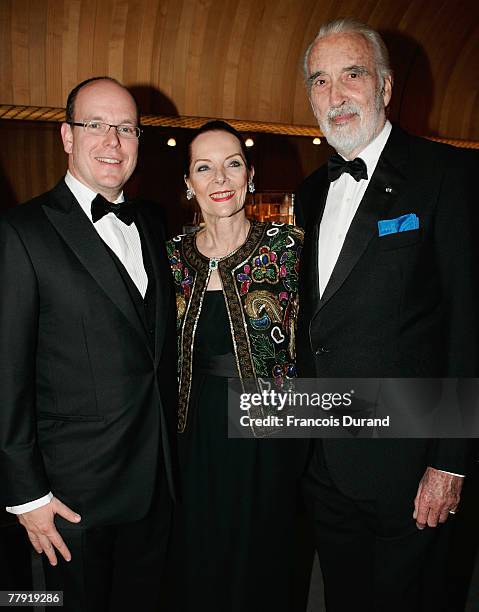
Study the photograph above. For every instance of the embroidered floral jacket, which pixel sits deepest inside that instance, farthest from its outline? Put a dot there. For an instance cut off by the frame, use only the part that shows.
(260, 284)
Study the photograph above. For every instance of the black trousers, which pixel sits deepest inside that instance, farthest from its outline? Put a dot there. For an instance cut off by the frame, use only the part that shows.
(117, 567)
(373, 557)
(15, 555)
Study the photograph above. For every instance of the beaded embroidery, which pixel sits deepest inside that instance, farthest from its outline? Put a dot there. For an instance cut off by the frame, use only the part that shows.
(260, 283)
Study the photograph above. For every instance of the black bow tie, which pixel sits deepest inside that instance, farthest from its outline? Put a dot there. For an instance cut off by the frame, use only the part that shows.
(337, 165)
(100, 207)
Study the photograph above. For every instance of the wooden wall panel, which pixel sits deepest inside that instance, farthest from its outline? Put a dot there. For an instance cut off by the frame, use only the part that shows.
(238, 59)
(71, 27)
(6, 62)
(31, 160)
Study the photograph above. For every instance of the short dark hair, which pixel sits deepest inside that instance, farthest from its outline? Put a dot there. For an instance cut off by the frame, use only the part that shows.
(214, 126)
(70, 107)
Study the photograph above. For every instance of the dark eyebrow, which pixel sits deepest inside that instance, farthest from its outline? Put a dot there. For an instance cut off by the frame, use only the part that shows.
(100, 119)
(314, 76)
(355, 68)
(209, 160)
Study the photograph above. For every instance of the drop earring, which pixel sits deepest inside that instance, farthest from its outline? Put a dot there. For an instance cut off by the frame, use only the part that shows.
(189, 194)
(251, 185)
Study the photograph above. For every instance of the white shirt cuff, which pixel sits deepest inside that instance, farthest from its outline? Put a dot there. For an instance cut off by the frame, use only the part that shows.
(33, 505)
(452, 473)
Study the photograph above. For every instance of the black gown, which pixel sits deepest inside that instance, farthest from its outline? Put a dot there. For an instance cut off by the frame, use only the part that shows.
(239, 542)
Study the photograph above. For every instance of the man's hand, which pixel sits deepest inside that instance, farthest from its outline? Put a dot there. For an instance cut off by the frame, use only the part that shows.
(42, 531)
(437, 494)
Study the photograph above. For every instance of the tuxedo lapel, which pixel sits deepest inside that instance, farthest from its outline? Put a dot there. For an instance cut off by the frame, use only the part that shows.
(384, 188)
(66, 215)
(154, 242)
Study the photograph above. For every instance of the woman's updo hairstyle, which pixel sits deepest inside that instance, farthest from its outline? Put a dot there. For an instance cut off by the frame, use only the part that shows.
(214, 126)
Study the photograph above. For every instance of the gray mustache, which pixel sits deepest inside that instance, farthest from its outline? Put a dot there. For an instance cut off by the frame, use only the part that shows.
(341, 110)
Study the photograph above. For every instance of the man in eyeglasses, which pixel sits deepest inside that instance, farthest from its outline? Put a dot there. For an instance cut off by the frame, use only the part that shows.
(87, 378)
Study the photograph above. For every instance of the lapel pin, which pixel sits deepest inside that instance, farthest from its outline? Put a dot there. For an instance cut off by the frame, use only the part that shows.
(389, 190)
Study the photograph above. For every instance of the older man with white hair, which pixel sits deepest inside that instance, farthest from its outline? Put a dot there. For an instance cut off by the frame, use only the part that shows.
(387, 290)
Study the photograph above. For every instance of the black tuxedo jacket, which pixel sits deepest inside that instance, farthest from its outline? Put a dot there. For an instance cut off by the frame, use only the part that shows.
(400, 305)
(88, 408)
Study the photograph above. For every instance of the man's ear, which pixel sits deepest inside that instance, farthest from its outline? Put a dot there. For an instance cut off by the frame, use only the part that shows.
(387, 89)
(67, 137)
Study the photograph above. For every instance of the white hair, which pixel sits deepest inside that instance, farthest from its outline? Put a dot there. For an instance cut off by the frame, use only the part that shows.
(351, 26)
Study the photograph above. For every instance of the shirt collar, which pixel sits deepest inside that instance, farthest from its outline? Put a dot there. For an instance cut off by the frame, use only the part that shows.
(83, 194)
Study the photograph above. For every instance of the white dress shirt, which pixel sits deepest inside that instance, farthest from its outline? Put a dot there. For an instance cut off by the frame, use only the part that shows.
(344, 197)
(124, 241)
(343, 200)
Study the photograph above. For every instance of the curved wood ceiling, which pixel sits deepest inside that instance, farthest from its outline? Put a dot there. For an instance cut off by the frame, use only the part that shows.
(238, 59)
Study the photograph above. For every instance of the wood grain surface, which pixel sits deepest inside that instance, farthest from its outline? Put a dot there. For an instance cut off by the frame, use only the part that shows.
(238, 59)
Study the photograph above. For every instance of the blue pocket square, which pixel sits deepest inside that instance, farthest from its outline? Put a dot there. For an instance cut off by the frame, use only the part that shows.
(405, 223)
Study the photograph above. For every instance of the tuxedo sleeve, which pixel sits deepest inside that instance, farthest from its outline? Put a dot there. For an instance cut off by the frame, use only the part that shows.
(457, 257)
(32, 505)
(22, 472)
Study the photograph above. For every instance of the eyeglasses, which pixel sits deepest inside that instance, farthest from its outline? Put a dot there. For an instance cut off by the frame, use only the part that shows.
(99, 128)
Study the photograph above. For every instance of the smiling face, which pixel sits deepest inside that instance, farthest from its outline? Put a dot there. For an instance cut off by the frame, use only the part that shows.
(346, 94)
(218, 174)
(102, 163)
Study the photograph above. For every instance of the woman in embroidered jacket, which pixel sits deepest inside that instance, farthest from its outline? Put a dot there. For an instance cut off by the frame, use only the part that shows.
(236, 545)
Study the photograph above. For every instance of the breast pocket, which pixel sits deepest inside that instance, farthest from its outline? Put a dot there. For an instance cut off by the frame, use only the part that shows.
(400, 240)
